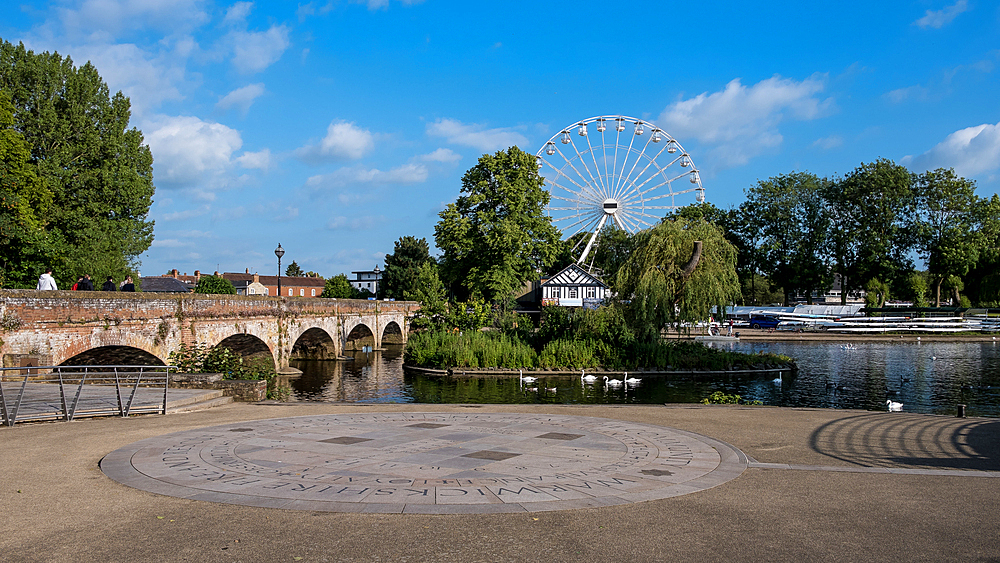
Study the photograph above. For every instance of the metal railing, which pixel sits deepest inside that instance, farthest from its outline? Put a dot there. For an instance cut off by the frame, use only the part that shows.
(66, 392)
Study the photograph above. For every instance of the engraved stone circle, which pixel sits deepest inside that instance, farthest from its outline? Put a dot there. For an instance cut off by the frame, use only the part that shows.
(427, 463)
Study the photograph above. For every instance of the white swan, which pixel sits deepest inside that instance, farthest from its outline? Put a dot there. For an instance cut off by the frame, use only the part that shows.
(631, 380)
(587, 378)
(894, 406)
(777, 380)
(524, 378)
(608, 382)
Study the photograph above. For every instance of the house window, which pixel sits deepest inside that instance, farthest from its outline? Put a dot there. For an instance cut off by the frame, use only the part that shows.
(290, 292)
(314, 292)
(573, 294)
(267, 291)
(591, 292)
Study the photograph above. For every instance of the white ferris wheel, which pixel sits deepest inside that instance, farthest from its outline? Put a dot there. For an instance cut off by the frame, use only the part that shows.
(618, 169)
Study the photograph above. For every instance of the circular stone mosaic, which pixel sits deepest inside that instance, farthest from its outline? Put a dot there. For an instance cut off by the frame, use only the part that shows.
(427, 463)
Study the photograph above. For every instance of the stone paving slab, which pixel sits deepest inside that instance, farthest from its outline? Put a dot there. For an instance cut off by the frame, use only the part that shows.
(429, 463)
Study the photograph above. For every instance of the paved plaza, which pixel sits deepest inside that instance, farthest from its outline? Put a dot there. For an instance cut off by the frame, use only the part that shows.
(591, 484)
(440, 463)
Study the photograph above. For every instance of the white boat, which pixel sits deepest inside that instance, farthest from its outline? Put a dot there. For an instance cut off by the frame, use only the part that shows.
(705, 338)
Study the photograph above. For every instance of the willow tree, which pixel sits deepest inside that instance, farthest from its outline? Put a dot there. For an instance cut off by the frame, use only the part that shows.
(679, 270)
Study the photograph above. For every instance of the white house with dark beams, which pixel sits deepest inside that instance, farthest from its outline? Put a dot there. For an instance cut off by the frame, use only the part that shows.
(574, 287)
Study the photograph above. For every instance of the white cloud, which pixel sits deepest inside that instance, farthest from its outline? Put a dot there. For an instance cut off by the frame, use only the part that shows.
(260, 160)
(943, 16)
(344, 141)
(742, 122)
(475, 135)
(356, 223)
(902, 94)
(189, 151)
(187, 214)
(242, 98)
(238, 12)
(105, 19)
(405, 174)
(441, 155)
(254, 51)
(169, 243)
(970, 151)
(831, 142)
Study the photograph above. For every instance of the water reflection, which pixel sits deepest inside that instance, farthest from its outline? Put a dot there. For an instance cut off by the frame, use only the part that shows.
(926, 378)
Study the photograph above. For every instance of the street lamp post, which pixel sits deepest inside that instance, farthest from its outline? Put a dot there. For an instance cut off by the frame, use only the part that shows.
(279, 252)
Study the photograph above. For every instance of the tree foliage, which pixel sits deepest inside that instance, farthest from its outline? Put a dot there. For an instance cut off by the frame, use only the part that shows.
(338, 287)
(946, 230)
(402, 267)
(294, 271)
(794, 230)
(214, 284)
(496, 236)
(654, 283)
(95, 168)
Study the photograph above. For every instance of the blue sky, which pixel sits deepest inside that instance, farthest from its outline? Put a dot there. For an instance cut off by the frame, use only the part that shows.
(336, 127)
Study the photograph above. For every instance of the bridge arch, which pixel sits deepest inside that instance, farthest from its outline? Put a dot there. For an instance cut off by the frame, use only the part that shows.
(113, 356)
(105, 342)
(359, 336)
(393, 334)
(314, 343)
(248, 346)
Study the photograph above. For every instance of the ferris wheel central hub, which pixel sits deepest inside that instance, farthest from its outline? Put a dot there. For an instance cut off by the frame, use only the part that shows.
(610, 206)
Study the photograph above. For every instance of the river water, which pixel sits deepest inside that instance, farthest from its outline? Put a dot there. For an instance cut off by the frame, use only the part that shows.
(932, 377)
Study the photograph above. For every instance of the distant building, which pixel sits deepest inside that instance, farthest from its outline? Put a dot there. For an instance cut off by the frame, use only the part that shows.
(164, 284)
(253, 284)
(291, 286)
(574, 287)
(368, 279)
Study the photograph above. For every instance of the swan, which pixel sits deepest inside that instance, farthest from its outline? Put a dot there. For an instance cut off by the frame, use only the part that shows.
(894, 406)
(631, 380)
(587, 378)
(608, 382)
(777, 380)
(524, 378)
(551, 389)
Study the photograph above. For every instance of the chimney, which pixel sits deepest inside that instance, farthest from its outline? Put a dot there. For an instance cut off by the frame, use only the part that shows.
(248, 270)
(174, 273)
(216, 274)
(256, 276)
(197, 274)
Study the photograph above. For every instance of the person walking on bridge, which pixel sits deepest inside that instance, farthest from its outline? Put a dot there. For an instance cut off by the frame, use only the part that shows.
(109, 285)
(86, 284)
(46, 282)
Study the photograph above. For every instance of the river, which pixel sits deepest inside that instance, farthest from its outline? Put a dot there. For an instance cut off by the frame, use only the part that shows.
(931, 377)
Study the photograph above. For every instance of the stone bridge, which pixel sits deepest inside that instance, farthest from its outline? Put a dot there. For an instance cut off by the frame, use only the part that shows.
(87, 328)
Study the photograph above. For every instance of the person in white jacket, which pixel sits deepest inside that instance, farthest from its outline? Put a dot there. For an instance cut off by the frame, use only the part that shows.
(46, 281)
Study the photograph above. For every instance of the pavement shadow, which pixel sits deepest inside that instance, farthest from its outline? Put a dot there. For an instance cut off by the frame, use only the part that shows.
(910, 441)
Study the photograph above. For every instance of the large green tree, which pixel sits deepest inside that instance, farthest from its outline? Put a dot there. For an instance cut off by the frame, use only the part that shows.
(496, 235)
(871, 213)
(338, 287)
(794, 226)
(96, 168)
(24, 205)
(403, 265)
(663, 284)
(946, 226)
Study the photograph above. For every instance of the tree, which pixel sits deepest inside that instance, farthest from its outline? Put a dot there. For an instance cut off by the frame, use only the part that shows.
(24, 204)
(496, 236)
(946, 225)
(871, 213)
(794, 226)
(293, 270)
(430, 292)
(338, 287)
(97, 170)
(217, 285)
(661, 287)
(402, 266)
